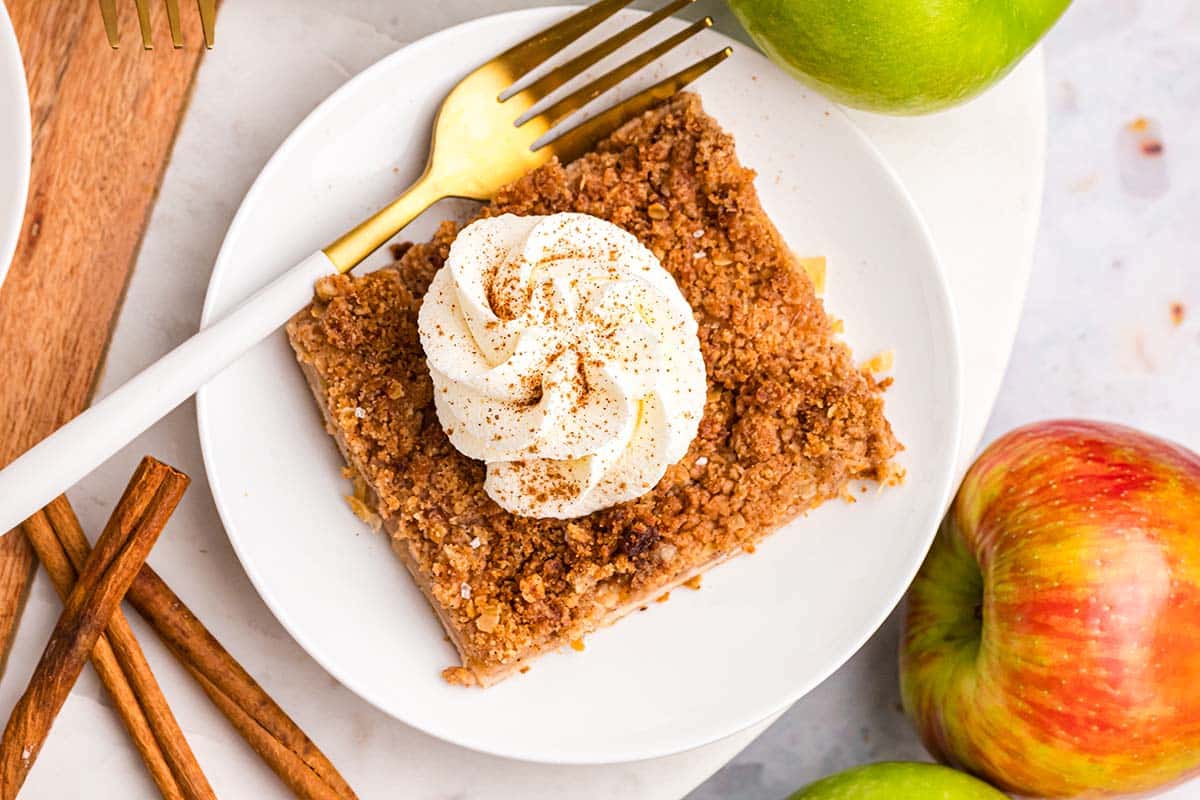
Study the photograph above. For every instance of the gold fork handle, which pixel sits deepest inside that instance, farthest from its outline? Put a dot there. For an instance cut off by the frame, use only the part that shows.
(368, 236)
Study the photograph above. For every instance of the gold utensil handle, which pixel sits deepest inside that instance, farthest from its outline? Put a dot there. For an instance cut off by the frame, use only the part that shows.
(369, 235)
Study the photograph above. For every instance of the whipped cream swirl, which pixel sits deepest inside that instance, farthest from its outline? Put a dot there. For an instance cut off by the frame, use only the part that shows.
(565, 357)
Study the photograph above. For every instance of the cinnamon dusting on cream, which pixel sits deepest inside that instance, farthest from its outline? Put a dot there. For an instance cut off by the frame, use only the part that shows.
(565, 357)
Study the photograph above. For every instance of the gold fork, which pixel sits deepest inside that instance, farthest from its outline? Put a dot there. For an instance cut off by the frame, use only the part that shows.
(208, 16)
(483, 137)
(488, 132)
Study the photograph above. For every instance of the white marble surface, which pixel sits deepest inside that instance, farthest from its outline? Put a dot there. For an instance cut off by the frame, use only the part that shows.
(1117, 248)
(275, 60)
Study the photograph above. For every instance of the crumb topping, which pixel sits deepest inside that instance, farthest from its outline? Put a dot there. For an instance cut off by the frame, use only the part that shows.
(789, 420)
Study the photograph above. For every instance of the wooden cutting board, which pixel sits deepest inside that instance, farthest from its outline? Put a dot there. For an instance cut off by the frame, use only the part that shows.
(104, 122)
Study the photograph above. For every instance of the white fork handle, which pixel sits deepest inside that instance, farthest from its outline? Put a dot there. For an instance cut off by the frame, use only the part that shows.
(62, 459)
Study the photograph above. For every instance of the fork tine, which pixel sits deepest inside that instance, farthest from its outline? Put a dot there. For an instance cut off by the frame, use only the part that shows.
(208, 20)
(546, 84)
(173, 21)
(583, 137)
(143, 12)
(581, 97)
(521, 58)
(108, 11)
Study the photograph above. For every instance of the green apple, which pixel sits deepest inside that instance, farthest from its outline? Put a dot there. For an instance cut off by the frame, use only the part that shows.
(898, 56)
(896, 780)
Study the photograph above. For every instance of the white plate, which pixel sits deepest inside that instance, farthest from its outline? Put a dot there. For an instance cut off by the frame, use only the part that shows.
(764, 629)
(14, 141)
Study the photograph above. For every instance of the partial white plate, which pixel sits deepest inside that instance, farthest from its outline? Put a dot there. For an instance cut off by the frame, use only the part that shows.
(14, 141)
(764, 629)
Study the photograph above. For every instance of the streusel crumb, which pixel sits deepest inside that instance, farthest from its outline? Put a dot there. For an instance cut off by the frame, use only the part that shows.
(789, 421)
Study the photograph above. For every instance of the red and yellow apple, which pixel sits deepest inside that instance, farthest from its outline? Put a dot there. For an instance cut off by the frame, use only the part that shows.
(1051, 641)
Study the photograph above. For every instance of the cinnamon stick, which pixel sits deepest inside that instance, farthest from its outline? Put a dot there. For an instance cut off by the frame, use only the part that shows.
(290, 768)
(262, 719)
(265, 726)
(41, 535)
(131, 532)
(132, 661)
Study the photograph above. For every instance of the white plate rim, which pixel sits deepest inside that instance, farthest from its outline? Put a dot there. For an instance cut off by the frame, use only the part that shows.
(609, 755)
(13, 83)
